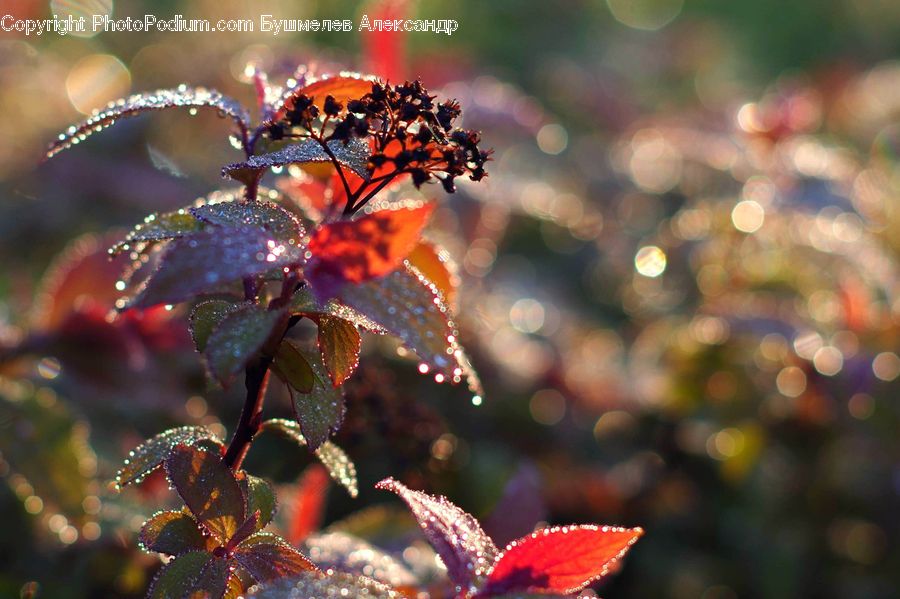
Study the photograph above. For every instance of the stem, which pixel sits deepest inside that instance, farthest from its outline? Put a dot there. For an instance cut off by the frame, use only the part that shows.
(351, 208)
(257, 379)
(340, 171)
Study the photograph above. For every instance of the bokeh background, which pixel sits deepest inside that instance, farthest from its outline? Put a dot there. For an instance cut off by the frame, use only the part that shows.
(679, 284)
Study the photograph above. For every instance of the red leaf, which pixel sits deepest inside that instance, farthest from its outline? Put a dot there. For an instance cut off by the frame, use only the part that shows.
(560, 559)
(339, 343)
(268, 557)
(308, 506)
(368, 247)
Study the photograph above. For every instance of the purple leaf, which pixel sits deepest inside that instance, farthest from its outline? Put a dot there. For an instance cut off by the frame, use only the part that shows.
(353, 155)
(159, 227)
(204, 261)
(150, 454)
(304, 302)
(182, 96)
(172, 533)
(320, 584)
(456, 535)
(209, 489)
(347, 553)
(267, 557)
(197, 572)
(520, 507)
(265, 215)
(410, 307)
(237, 339)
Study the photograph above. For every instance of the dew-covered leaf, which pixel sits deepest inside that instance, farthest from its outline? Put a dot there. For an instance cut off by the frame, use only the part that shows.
(343, 86)
(182, 96)
(209, 489)
(237, 338)
(204, 261)
(172, 533)
(339, 343)
(559, 559)
(206, 316)
(435, 263)
(159, 227)
(304, 302)
(292, 367)
(409, 306)
(151, 454)
(353, 155)
(283, 225)
(322, 585)
(195, 574)
(350, 554)
(321, 411)
(267, 557)
(456, 535)
(367, 247)
(260, 497)
(339, 465)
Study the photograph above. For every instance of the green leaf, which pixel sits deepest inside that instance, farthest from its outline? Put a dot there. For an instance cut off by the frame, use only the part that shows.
(304, 302)
(195, 574)
(260, 497)
(339, 343)
(410, 307)
(321, 411)
(320, 584)
(149, 455)
(159, 227)
(172, 533)
(206, 316)
(205, 261)
(339, 465)
(258, 213)
(353, 155)
(292, 367)
(237, 338)
(209, 490)
(267, 557)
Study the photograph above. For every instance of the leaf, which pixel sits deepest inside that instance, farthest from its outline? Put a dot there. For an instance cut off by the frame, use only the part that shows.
(321, 411)
(520, 507)
(320, 584)
(172, 533)
(267, 557)
(435, 263)
(304, 302)
(339, 343)
(353, 155)
(260, 497)
(209, 489)
(182, 96)
(339, 465)
(151, 454)
(190, 575)
(350, 554)
(344, 86)
(258, 213)
(206, 316)
(367, 247)
(292, 367)
(306, 504)
(456, 535)
(409, 306)
(159, 227)
(237, 338)
(559, 559)
(202, 262)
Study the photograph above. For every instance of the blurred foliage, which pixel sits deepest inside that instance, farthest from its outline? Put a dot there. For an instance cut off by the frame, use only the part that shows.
(680, 286)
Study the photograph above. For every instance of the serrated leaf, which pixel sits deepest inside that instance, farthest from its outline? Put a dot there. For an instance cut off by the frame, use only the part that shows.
(367, 247)
(292, 367)
(409, 306)
(260, 497)
(339, 465)
(237, 338)
(339, 343)
(206, 316)
(209, 490)
(258, 213)
(202, 262)
(321, 411)
(326, 586)
(182, 96)
(343, 86)
(172, 533)
(559, 559)
(151, 454)
(346, 553)
(267, 557)
(456, 535)
(195, 574)
(353, 155)
(304, 302)
(160, 227)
